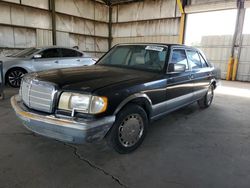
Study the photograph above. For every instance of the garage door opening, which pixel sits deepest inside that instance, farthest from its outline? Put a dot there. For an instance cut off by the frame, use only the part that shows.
(213, 33)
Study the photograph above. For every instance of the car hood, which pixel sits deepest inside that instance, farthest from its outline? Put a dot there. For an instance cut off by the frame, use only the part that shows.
(10, 59)
(89, 79)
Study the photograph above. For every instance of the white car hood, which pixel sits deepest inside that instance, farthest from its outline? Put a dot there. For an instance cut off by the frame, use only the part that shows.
(10, 59)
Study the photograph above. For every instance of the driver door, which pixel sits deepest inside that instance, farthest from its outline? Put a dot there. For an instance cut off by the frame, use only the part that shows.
(50, 59)
(179, 85)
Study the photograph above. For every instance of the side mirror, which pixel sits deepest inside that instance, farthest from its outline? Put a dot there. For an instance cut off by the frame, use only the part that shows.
(176, 68)
(37, 56)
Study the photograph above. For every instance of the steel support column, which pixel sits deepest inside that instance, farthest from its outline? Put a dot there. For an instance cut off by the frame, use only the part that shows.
(53, 20)
(110, 27)
(182, 21)
(238, 39)
(236, 44)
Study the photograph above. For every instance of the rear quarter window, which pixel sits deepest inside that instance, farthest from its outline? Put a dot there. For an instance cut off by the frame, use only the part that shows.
(70, 53)
(203, 61)
(194, 59)
(50, 53)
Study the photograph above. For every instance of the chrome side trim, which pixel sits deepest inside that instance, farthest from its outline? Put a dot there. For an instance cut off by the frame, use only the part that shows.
(166, 106)
(131, 97)
(171, 110)
(176, 103)
(170, 104)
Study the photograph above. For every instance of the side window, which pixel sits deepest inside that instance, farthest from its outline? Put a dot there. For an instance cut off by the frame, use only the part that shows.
(194, 59)
(154, 58)
(70, 53)
(179, 57)
(50, 53)
(203, 62)
(79, 54)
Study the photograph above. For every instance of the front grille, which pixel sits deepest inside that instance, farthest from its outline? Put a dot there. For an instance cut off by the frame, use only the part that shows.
(38, 95)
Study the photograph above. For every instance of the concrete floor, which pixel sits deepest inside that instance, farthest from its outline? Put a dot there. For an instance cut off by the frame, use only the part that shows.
(189, 148)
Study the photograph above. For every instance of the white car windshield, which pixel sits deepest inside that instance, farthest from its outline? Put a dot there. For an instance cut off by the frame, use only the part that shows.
(144, 57)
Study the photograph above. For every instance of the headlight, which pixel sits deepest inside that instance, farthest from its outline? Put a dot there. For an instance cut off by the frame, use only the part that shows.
(82, 103)
(98, 104)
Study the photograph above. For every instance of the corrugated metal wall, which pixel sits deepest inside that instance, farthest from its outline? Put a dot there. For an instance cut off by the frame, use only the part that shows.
(147, 21)
(27, 23)
(243, 72)
(18, 24)
(82, 23)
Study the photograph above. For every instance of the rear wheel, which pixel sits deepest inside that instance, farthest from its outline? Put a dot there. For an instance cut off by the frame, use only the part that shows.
(129, 129)
(14, 77)
(207, 100)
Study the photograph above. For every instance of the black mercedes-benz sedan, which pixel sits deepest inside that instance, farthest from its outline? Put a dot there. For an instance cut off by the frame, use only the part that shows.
(116, 98)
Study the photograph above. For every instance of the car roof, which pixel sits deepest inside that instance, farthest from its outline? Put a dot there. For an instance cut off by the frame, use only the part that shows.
(160, 44)
(50, 47)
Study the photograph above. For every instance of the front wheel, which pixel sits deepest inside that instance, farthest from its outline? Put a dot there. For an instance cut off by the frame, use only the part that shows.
(129, 129)
(207, 100)
(14, 77)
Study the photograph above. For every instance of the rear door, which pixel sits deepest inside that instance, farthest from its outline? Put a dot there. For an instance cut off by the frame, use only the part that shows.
(72, 58)
(50, 59)
(179, 85)
(200, 73)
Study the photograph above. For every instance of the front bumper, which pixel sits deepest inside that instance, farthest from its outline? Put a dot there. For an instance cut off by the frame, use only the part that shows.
(66, 130)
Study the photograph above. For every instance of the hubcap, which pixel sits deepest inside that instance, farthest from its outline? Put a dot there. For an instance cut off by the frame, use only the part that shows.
(130, 130)
(15, 78)
(210, 95)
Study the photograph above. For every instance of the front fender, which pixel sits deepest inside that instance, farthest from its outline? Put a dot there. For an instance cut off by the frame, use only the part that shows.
(26, 65)
(131, 98)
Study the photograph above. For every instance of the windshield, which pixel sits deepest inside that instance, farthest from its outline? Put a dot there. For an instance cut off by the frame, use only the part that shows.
(25, 53)
(144, 57)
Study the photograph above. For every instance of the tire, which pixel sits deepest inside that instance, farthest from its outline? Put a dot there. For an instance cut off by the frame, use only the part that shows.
(207, 100)
(129, 129)
(14, 77)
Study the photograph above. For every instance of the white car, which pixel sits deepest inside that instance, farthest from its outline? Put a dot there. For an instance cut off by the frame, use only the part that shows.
(40, 59)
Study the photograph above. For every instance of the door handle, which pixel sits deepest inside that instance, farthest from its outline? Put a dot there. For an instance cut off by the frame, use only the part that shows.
(191, 76)
(78, 60)
(56, 62)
